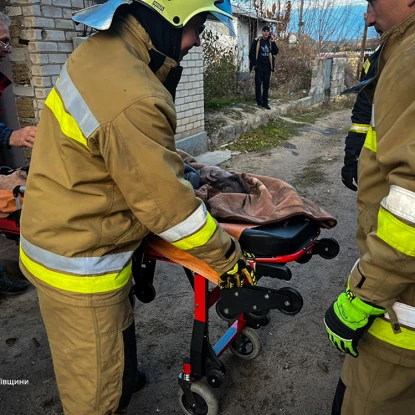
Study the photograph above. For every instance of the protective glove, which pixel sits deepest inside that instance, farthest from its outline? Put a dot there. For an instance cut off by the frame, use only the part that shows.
(347, 320)
(349, 172)
(237, 276)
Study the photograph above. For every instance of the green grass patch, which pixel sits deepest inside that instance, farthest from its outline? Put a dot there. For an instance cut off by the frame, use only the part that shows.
(272, 135)
(215, 104)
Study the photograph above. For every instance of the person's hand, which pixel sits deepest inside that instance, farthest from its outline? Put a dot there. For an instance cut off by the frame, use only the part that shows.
(272, 37)
(237, 276)
(347, 320)
(349, 173)
(25, 137)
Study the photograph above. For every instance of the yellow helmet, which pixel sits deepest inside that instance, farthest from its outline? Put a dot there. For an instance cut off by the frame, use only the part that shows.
(176, 12)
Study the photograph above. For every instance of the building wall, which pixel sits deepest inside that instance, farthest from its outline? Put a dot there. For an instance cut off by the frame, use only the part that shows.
(320, 76)
(242, 29)
(45, 29)
(338, 73)
(190, 101)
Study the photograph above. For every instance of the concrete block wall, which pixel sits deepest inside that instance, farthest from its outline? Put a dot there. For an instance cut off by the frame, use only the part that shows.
(190, 96)
(319, 75)
(42, 32)
(318, 79)
(338, 76)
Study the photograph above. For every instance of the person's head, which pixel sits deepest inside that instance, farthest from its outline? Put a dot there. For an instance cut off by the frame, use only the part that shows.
(222, 180)
(174, 26)
(191, 34)
(5, 47)
(266, 32)
(384, 14)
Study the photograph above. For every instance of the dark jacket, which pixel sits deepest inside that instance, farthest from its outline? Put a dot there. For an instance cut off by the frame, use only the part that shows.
(5, 132)
(362, 112)
(254, 52)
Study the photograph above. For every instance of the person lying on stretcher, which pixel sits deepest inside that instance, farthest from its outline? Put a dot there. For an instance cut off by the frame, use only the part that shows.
(214, 176)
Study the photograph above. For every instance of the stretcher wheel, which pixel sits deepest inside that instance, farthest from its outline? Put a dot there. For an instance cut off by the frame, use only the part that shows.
(329, 248)
(146, 293)
(224, 314)
(295, 303)
(305, 258)
(215, 379)
(259, 315)
(247, 345)
(207, 403)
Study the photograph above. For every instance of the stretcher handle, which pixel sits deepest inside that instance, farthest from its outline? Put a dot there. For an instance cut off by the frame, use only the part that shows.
(18, 192)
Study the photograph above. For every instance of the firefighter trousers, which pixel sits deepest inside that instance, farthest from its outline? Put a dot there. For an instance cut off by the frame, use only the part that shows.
(370, 385)
(93, 346)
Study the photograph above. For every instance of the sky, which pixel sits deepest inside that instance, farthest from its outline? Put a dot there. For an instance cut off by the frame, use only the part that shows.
(352, 27)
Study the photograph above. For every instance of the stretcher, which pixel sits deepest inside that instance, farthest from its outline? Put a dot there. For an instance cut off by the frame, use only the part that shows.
(245, 310)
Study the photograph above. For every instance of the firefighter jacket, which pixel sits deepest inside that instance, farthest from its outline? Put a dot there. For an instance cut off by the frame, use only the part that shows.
(105, 171)
(254, 53)
(362, 112)
(385, 274)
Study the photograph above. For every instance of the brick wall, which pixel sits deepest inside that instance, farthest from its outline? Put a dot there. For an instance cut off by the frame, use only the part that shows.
(42, 32)
(45, 30)
(190, 96)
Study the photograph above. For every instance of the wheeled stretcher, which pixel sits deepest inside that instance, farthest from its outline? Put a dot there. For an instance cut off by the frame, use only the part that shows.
(244, 309)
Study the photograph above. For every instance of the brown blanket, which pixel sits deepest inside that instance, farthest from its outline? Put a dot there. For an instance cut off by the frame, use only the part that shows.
(269, 200)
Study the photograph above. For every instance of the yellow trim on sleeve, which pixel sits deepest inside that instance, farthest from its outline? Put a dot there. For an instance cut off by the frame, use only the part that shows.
(360, 128)
(199, 238)
(371, 140)
(395, 233)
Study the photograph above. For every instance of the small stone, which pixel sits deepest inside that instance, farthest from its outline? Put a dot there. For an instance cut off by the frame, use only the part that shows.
(323, 367)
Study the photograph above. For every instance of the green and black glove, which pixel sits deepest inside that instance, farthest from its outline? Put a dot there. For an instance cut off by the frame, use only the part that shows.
(347, 320)
(237, 276)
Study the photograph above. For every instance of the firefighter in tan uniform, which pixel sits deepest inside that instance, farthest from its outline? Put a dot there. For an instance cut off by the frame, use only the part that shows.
(374, 320)
(104, 173)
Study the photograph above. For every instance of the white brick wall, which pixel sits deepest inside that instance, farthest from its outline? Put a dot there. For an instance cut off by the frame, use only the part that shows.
(190, 96)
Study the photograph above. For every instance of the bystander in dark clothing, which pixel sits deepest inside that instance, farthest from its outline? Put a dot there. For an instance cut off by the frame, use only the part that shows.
(262, 58)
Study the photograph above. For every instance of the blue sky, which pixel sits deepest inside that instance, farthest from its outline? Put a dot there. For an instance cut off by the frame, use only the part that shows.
(352, 21)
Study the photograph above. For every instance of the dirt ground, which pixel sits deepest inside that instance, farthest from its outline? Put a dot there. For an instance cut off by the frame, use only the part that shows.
(297, 371)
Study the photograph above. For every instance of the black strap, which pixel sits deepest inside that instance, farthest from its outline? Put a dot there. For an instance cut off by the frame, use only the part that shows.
(231, 249)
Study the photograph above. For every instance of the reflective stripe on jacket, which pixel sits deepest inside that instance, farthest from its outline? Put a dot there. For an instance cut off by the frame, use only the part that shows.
(105, 171)
(362, 111)
(385, 275)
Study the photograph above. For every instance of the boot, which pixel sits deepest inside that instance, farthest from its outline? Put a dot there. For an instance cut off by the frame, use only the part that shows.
(8, 287)
(140, 381)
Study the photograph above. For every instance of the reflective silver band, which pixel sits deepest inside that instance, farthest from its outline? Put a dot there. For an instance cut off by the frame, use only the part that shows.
(405, 314)
(400, 202)
(188, 227)
(77, 266)
(75, 104)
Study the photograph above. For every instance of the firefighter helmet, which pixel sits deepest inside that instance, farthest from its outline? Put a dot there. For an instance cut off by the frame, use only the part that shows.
(176, 12)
